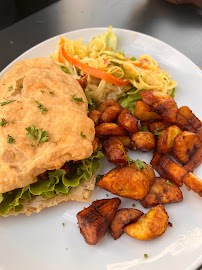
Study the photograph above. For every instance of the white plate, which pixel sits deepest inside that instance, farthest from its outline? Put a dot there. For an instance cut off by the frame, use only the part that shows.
(42, 242)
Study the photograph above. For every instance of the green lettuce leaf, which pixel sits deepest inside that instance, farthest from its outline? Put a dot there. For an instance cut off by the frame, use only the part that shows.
(129, 99)
(56, 183)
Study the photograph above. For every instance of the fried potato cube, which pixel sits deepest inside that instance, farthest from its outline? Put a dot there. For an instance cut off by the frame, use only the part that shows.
(161, 103)
(172, 169)
(155, 164)
(144, 140)
(95, 116)
(107, 208)
(162, 193)
(126, 182)
(93, 226)
(166, 138)
(108, 103)
(193, 182)
(185, 145)
(95, 220)
(149, 226)
(126, 140)
(110, 129)
(148, 171)
(144, 112)
(190, 117)
(122, 218)
(128, 121)
(115, 150)
(110, 114)
(195, 161)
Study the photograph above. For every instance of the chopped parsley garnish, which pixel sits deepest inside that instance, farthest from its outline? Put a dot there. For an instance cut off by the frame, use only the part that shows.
(146, 256)
(140, 164)
(6, 102)
(42, 91)
(63, 224)
(3, 122)
(107, 195)
(133, 205)
(10, 139)
(40, 106)
(10, 88)
(20, 86)
(143, 128)
(82, 135)
(169, 183)
(159, 128)
(173, 93)
(51, 93)
(37, 135)
(157, 133)
(133, 59)
(75, 98)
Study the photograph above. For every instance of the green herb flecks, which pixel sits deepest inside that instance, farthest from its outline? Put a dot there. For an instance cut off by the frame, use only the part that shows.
(3, 122)
(169, 183)
(6, 102)
(10, 88)
(75, 98)
(37, 135)
(146, 256)
(63, 224)
(20, 86)
(140, 164)
(133, 205)
(133, 59)
(98, 177)
(40, 106)
(157, 133)
(143, 128)
(82, 135)
(10, 139)
(42, 91)
(51, 93)
(173, 93)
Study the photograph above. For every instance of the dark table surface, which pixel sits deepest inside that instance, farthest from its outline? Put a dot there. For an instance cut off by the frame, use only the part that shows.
(179, 26)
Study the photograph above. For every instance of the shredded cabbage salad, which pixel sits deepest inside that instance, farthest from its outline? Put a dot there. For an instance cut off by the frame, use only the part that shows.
(109, 73)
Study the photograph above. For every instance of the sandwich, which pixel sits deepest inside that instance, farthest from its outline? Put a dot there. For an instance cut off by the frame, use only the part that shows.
(46, 139)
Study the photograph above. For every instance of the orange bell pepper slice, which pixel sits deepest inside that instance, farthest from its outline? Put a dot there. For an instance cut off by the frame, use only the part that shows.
(87, 69)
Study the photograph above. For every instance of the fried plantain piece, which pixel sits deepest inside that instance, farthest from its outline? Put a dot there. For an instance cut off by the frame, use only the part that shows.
(172, 169)
(122, 218)
(144, 140)
(110, 129)
(161, 192)
(185, 145)
(107, 208)
(156, 165)
(161, 103)
(126, 182)
(157, 126)
(128, 121)
(93, 226)
(148, 171)
(166, 138)
(95, 116)
(193, 182)
(110, 114)
(115, 150)
(126, 140)
(182, 123)
(108, 103)
(195, 161)
(190, 117)
(149, 226)
(95, 220)
(144, 112)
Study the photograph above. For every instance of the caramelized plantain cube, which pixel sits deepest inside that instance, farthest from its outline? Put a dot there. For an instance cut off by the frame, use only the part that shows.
(95, 116)
(126, 182)
(172, 169)
(161, 192)
(126, 140)
(110, 114)
(93, 226)
(185, 145)
(190, 117)
(155, 164)
(128, 121)
(166, 138)
(148, 171)
(122, 218)
(144, 140)
(115, 151)
(195, 161)
(110, 129)
(193, 182)
(157, 126)
(149, 226)
(161, 103)
(108, 103)
(183, 123)
(144, 112)
(107, 208)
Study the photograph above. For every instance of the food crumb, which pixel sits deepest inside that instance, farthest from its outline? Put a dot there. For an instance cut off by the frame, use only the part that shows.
(170, 224)
(145, 256)
(63, 224)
